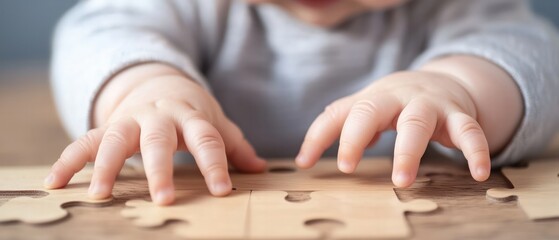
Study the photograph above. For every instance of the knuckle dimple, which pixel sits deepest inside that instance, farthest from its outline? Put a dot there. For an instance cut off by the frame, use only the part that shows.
(214, 169)
(91, 134)
(417, 122)
(208, 142)
(365, 108)
(478, 151)
(470, 129)
(157, 139)
(332, 111)
(85, 143)
(114, 137)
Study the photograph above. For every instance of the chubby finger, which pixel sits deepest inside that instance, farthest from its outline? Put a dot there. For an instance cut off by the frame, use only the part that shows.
(415, 127)
(158, 143)
(119, 142)
(206, 145)
(239, 151)
(466, 134)
(365, 119)
(323, 132)
(74, 158)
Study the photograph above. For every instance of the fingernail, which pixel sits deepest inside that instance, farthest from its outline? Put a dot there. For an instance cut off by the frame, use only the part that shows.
(91, 190)
(300, 159)
(402, 179)
(164, 196)
(221, 188)
(345, 166)
(482, 172)
(97, 190)
(49, 180)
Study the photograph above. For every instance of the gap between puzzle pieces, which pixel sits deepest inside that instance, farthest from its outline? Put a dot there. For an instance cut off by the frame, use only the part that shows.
(205, 216)
(268, 215)
(536, 188)
(365, 202)
(41, 209)
(364, 214)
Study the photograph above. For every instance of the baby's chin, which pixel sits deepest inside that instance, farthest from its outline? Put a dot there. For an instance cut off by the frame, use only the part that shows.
(322, 13)
(326, 13)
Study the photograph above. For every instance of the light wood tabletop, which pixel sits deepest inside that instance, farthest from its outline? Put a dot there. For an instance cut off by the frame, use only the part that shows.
(30, 134)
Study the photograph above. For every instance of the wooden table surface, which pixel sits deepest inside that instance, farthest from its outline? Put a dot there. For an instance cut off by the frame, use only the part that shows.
(32, 135)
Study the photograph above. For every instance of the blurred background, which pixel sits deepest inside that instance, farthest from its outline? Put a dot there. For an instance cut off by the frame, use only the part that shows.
(26, 28)
(29, 129)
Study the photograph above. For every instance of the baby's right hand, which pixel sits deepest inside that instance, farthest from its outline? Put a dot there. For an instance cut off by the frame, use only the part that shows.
(157, 117)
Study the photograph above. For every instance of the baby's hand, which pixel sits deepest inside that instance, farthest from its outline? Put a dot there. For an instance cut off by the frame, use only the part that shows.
(159, 116)
(421, 106)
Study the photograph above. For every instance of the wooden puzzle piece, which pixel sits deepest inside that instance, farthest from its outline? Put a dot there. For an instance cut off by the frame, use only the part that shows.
(207, 217)
(43, 209)
(364, 214)
(536, 188)
(343, 197)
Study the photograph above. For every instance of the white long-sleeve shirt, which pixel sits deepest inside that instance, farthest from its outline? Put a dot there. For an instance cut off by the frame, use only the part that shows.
(273, 74)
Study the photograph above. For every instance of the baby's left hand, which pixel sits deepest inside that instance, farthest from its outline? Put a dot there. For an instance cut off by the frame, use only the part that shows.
(420, 105)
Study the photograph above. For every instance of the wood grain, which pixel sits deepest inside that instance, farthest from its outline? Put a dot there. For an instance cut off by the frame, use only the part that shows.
(32, 135)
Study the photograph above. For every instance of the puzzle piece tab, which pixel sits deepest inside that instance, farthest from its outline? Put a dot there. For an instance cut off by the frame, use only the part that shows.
(207, 217)
(536, 188)
(44, 209)
(364, 214)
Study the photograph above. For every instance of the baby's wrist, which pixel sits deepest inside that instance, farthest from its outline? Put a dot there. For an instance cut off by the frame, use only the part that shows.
(498, 100)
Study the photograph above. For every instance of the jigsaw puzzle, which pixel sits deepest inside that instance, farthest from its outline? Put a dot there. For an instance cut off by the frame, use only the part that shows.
(536, 188)
(43, 209)
(364, 214)
(206, 217)
(364, 202)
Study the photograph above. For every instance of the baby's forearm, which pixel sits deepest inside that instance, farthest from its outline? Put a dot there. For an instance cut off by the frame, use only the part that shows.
(498, 100)
(118, 87)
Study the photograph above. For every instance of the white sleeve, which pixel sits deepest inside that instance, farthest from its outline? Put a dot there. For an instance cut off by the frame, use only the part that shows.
(97, 39)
